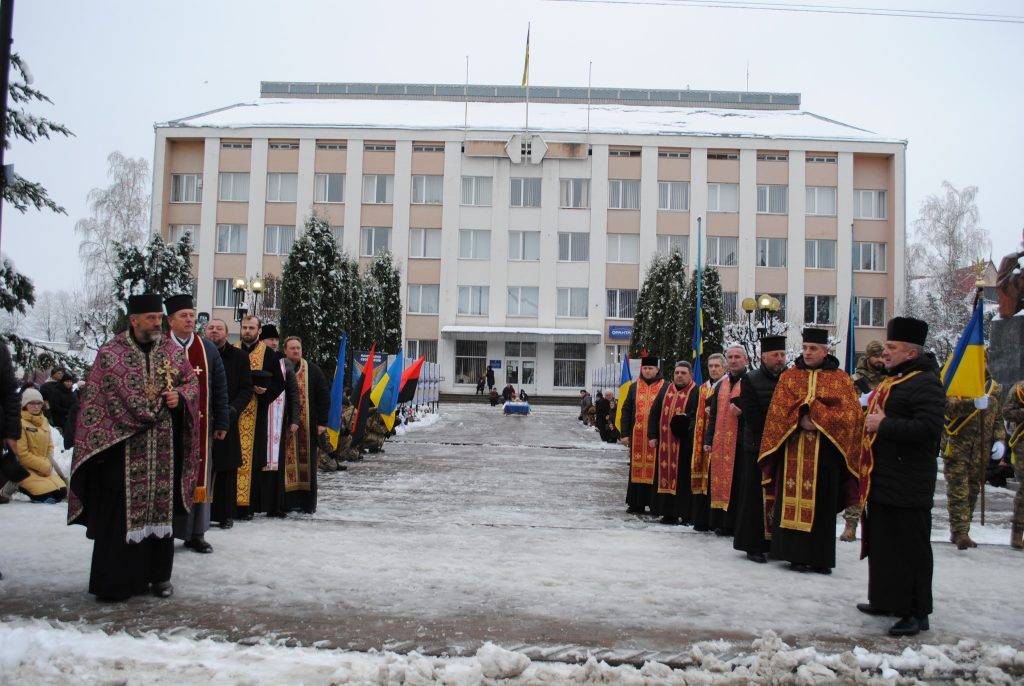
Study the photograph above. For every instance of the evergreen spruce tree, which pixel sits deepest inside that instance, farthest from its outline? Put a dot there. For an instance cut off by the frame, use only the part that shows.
(156, 267)
(714, 311)
(311, 293)
(646, 308)
(350, 303)
(384, 273)
(660, 322)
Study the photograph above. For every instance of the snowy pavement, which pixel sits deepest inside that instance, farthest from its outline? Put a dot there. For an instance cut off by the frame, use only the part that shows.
(482, 527)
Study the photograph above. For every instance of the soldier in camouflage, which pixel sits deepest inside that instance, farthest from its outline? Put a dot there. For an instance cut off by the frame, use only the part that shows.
(869, 373)
(376, 432)
(974, 431)
(1013, 412)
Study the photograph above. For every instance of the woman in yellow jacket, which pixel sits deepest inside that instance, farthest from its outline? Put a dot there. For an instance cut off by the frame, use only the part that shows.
(35, 452)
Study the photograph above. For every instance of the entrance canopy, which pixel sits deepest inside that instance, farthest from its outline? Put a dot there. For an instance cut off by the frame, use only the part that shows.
(522, 333)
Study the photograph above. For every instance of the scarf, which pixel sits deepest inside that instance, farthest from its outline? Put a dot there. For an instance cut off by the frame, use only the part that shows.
(699, 460)
(247, 431)
(879, 397)
(723, 447)
(642, 457)
(275, 425)
(122, 403)
(673, 404)
(298, 457)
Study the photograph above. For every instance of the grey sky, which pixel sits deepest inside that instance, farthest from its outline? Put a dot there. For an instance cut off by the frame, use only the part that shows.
(952, 89)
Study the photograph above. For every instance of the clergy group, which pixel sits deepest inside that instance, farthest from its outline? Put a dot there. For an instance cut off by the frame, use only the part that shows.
(175, 431)
(768, 457)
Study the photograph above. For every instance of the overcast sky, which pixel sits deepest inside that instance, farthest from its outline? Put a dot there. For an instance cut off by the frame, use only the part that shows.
(953, 89)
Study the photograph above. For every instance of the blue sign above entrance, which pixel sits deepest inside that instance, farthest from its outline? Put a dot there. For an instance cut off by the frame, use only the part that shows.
(620, 332)
(494, 364)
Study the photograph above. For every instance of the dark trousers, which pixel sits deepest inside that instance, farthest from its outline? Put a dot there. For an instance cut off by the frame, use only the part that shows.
(899, 549)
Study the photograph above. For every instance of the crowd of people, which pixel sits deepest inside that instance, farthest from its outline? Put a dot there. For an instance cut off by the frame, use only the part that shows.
(768, 457)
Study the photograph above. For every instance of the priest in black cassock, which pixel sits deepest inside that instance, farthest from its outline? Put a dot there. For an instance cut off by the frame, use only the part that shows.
(136, 456)
(227, 452)
(722, 441)
(755, 397)
(261, 428)
(670, 431)
(313, 400)
(636, 410)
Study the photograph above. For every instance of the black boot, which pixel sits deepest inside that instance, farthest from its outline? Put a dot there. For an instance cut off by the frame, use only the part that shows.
(760, 558)
(869, 609)
(199, 544)
(906, 626)
(163, 589)
(669, 520)
(227, 524)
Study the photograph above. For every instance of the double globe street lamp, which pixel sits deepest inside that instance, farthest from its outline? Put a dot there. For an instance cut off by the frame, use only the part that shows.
(766, 308)
(241, 289)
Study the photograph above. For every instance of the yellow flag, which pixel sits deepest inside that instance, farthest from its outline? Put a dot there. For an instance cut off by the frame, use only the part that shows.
(526, 62)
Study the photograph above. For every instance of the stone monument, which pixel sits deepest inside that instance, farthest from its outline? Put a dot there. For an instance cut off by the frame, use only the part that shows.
(1006, 347)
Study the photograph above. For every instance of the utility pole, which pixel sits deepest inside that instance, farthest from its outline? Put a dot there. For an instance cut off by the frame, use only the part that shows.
(6, 24)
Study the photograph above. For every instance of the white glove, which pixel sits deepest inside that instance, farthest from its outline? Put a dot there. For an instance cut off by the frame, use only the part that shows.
(981, 403)
(998, 450)
(864, 399)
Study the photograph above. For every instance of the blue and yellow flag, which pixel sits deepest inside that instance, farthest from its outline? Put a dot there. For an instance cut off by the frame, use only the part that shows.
(625, 379)
(385, 393)
(964, 372)
(337, 394)
(526, 62)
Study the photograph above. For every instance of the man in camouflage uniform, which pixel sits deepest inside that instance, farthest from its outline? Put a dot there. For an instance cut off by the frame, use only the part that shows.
(974, 430)
(869, 373)
(1013, 412)
(376, 432)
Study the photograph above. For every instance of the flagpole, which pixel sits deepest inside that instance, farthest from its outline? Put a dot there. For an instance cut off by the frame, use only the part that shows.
(590, 75)
(979, 287)
(526, 78)
(465, 97)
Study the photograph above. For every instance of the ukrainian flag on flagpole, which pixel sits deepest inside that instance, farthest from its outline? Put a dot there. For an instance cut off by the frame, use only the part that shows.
(337, 394)
(964, 372)
(625, 379)
(698, 317)
(385, 393)
(851, 338)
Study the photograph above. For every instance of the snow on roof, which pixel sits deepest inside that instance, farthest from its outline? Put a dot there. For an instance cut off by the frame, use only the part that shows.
(553, 117)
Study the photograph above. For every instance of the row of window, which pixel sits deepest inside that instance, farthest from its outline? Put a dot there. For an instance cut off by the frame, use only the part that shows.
(522, 301)
(570, 363)
(673, 196)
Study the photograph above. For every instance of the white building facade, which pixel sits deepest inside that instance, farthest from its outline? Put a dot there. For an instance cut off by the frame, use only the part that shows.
(523, 247)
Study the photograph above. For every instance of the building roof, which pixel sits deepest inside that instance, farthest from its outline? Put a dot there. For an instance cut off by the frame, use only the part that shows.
(553, 117)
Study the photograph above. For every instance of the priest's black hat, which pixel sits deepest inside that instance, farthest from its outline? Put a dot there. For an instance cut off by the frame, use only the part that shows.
(907, 330)
(770, 344)
(176, 303)
(649, 360)
(269, 331)
(144, 304)
(813, 335)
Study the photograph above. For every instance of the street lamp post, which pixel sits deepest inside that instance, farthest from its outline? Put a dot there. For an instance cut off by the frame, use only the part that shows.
(763, 309)
(241, 290)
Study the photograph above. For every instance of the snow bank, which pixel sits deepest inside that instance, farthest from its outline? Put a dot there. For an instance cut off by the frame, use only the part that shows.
(422, 421)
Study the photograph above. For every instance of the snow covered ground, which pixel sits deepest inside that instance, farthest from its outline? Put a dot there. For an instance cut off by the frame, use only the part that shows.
(481, 527)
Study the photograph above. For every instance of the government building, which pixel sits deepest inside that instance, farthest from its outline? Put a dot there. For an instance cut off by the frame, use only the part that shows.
(522, 229)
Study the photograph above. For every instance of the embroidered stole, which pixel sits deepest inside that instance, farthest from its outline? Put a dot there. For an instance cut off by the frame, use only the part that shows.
(298, 456)
(642, 457)
(247, 431)
(723, 447)
(196, 353)
(673, 404)
(879, 397)
(275, 424)
(698, 459)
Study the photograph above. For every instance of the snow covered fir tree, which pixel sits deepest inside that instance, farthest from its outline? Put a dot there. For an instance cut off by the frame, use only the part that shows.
(156, 267)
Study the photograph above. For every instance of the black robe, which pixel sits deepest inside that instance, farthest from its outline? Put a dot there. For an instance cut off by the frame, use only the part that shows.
(267, 493)
(227, 453)
(638, 496)
(724, 521)
(318, 398)
(681, 504)
(604, 419)
(755, 397)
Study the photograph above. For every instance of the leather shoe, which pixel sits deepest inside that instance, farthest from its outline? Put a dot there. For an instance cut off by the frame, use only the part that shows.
(163, 589)
(821, 570)
(906, 626)
(199, 545)
(669, 520)
(227, 524)
(760, 558)
(869, 609)
(797, 567)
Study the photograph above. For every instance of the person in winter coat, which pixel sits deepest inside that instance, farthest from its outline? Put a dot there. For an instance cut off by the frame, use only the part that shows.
(10, 408)
(35, 452)
(62, 397)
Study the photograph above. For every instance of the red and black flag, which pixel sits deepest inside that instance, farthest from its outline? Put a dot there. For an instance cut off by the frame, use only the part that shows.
(410, 377)
(362, 403)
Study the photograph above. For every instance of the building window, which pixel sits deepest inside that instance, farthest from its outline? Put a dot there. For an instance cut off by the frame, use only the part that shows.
(231, 238)
(423, 298)
(374, 240)
(723, 155)
(283, 145)
(422, 347)
(820, 309)
(821, 254)
(621, 303)
(572, 302)
(674, 196)
(871, 312)
(236, 145)
(474, 244)
(575, 193)
(772, 157)
(630, 152)
(379, 147)
(476, 190)
(278, 240)
(178, 231)
(821, 201)
(331, 146)
(730, 305)
(675, 154)
(222, 293)
(573, 246)
(870, 204)
(669, 243)
(427, 190)
(623, 248)
(522, 301)
(428, 147)
(518, 349)
(524, 192)
(526, 149)
(378, 189)
(624, 194)
(470, 361)
(722, 251)
(772, 199)
(825, 159)
(281, 187)
(186, 187)
(425, 243)
(570, 365)
(524, 246)
(473, 300)
(233, 186)
(338, 233)
(771, 252)
(614, 354)
(781, 297)
(869, 257)
(723, 197)
(329, 188)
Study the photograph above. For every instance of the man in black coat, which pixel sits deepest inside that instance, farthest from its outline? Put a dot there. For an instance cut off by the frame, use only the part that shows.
(605, 418)
(10, 409)
(61, 399)
(902, 431)
(311, 405)
(227, 452)
(755, 397)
